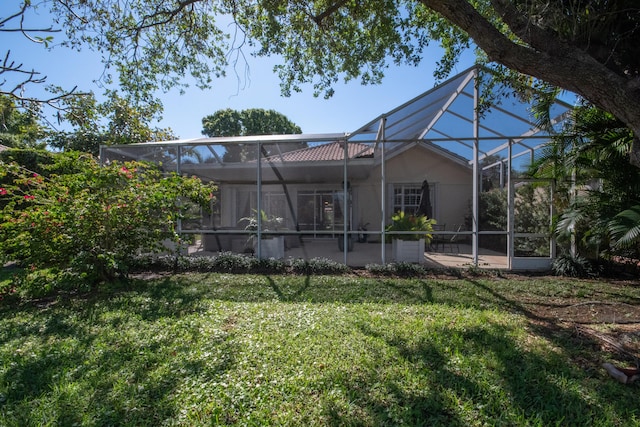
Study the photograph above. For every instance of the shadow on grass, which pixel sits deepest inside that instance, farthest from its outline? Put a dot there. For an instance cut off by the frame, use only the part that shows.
(586, 350)
(454, 385)
(82, 361)
(293, 294)
(133, 378)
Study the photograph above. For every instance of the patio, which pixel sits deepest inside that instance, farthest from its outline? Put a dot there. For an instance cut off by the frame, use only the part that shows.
(370, 253)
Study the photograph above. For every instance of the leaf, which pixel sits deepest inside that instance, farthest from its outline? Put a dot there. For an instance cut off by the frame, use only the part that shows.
(625, 228)
(569, 221)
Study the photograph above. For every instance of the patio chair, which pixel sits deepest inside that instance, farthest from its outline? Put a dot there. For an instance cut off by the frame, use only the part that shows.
(438, 239)
(453, 240)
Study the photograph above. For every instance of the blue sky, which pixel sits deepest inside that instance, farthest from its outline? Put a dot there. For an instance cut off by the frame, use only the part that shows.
(352, 106)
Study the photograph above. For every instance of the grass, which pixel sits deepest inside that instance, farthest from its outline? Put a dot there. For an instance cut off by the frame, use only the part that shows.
(216, 349)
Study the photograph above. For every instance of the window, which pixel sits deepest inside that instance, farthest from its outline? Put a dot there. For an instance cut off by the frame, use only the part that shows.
(274, 204)
(407, 197)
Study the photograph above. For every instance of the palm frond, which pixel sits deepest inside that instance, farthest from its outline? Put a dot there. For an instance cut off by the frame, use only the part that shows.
(625, 228)
(569, 221)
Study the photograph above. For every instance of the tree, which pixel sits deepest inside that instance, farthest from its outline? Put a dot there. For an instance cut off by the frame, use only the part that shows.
(18, 129)
(15, 76)
(114, 121)
(254, 121)
(585, 46)
(590, 164)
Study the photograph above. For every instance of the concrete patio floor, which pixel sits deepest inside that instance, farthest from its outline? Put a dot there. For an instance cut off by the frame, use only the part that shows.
(458, 256)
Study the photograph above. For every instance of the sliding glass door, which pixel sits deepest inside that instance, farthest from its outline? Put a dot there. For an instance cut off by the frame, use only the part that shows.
(321, 212)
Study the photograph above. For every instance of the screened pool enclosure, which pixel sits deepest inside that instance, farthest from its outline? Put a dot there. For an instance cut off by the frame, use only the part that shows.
(446, 153)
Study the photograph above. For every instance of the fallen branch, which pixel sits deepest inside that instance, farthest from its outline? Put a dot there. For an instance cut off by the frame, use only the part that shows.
(620, 348)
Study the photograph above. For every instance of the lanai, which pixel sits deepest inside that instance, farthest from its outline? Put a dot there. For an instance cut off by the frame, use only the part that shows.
(449, 127)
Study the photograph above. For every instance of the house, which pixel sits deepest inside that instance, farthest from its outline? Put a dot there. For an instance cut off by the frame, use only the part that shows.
(326, 185)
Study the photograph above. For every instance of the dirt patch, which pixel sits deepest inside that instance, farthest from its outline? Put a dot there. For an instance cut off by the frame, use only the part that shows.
(605, 324)
(606, 331)
(612, 328)
(593, 312)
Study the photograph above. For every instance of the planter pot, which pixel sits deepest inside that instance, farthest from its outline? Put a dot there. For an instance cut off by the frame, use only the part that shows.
(408, 250)
(272, 247)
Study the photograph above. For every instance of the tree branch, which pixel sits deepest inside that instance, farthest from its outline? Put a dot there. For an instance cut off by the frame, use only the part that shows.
(21, 28)
(328, 12)
(17, 91)
(9, 66)
(554, 61)
(169, 13)
(15, 15)
(71, 11)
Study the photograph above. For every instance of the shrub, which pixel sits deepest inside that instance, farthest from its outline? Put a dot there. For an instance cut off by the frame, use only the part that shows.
(408, 269)
(37, 283)
(93, 220)
(402, 269)
(267, 265)
(317, 266)
(230, 262)
(225, 262)
(570, 266)
(378, 269)
(415, 223)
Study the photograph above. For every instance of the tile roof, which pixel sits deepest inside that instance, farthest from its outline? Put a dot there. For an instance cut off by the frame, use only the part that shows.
(325, 152)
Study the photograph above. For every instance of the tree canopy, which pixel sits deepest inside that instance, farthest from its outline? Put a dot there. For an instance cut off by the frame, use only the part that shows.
(253, 121)
(114, 121)
(585, 46)
(19, 129)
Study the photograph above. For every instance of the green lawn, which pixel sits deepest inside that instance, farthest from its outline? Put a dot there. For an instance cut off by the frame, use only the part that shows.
(217, 349)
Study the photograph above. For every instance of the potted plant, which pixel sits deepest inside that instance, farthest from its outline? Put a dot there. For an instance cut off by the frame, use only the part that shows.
(409, 247)
(270, 246)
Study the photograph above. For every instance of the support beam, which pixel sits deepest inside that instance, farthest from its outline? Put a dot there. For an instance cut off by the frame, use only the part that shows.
(383, 190)
(552, 214)
(447, 104)
(212, 151)
(179, 172)
(259, 202)
(510, 209)
(476, 169)
(346, 208)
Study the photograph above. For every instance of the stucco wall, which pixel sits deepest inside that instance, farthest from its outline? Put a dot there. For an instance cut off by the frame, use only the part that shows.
(453, 187)
(452, 196)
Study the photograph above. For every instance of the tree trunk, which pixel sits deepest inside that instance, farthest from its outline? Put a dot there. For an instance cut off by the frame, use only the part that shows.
(550, 59)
